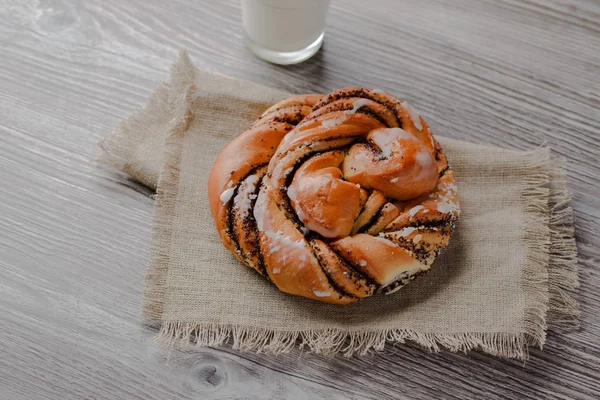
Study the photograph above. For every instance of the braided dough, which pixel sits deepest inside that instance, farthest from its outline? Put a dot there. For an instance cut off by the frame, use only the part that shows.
(335, 197)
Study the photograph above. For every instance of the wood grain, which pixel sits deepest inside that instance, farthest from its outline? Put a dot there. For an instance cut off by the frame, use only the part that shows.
(74, 235)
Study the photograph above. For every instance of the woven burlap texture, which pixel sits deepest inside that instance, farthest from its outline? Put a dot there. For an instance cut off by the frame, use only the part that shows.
(508, 272)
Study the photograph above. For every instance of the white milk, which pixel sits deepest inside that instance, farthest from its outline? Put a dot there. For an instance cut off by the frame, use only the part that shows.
(275, 27)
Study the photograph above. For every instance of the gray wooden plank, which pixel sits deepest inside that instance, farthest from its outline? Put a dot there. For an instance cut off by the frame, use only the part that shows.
(74, 235)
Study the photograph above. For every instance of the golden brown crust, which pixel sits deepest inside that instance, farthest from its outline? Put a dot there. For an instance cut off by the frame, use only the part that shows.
(335, 197)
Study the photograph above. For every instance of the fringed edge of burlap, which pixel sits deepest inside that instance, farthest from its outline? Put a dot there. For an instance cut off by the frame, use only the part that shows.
(332, 342)
(563, 276)
(550, 272)
(550, 275)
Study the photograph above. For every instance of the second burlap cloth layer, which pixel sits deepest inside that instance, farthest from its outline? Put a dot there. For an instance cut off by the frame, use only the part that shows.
(508, 272)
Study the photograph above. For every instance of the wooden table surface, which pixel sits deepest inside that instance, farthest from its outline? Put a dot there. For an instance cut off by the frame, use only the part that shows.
(74, 235)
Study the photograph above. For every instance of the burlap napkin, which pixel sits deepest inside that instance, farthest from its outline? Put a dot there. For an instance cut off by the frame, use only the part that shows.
(508, 272)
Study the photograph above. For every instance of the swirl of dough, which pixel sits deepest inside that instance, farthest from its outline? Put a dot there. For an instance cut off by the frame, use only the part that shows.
(335, 197)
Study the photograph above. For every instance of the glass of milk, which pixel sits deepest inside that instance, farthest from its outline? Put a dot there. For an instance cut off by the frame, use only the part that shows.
(284, 31)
